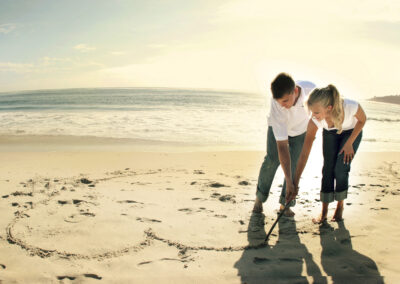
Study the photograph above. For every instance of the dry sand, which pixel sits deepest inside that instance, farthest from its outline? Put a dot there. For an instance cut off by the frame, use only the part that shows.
(141, 217)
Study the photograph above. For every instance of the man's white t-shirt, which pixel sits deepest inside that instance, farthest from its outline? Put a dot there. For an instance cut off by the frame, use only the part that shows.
(293, 121)
(350, 108)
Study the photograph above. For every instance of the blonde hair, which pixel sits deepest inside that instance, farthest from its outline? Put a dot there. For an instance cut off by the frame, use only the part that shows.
(329, 96)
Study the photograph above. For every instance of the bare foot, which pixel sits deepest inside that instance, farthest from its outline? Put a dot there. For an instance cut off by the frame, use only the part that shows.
(288, 212)
(338, 216)
(319, 220)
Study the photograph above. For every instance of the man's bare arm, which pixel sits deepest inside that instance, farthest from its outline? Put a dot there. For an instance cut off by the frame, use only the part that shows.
(284, 159)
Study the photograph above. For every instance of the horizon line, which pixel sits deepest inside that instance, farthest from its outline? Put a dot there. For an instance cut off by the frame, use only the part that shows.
(169, 88)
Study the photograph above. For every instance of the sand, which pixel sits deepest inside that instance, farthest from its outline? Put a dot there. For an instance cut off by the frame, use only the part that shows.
(70, 216)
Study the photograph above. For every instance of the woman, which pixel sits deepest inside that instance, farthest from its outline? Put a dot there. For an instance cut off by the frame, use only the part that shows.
(342, 121)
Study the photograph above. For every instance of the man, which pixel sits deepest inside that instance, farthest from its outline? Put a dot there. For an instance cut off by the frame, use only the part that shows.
(287, 125)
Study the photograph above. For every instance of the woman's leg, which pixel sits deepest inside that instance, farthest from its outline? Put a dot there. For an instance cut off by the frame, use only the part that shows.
(330, 147)
(341, 173)
(322, 218)
(338, 216)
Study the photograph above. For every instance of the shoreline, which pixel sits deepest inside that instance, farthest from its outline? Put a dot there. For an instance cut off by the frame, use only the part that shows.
(70, 143)
(44, 143)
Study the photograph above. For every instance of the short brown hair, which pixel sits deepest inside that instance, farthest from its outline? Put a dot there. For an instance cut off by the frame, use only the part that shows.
(281, 85)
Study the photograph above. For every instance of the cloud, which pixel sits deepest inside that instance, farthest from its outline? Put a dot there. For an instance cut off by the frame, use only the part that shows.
(84, 47)
(7, 28)
(50, 64)
(117, 53)
(382, 31)
(16, 67)
(157, 45)
(47, 63)
(352, 10)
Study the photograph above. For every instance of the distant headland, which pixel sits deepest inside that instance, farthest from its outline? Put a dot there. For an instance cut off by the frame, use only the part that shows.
(387, 99)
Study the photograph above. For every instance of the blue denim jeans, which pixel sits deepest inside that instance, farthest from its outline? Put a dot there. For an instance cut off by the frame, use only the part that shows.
(271, 164)
(334, 169)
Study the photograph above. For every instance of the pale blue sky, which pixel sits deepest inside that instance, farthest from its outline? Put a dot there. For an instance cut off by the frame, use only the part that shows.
(221, 44)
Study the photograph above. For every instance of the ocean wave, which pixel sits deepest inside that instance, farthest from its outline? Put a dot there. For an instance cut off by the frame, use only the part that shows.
(384, 119)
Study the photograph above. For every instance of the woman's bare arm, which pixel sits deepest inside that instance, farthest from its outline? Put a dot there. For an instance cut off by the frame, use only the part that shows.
(348, 146)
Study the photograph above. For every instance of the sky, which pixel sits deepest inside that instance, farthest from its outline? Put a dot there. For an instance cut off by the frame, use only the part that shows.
(207, 44)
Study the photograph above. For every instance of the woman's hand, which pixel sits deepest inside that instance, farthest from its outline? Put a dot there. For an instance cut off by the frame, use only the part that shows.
(348, 153)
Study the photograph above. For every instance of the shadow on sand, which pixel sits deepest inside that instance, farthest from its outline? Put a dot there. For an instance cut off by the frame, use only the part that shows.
(285, 261)
(341, 262)
(281, 263)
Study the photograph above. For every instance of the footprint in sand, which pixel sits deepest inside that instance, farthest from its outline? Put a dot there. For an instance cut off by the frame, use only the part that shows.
(227, 198)
(203, 209)
(66, 277)
(382, 208)
(85, 181)
(88, 275)
(2, 266)
(89, 214)
(20, 193)
(148, 220)
(77, 218)
(29, 204)
(224, 198)
(217, 185)
(91, 275)
(188, 210)
(220, 216)
(144, 262)
(129, 201)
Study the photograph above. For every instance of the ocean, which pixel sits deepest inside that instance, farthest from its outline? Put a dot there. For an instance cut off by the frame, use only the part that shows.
(194, 117)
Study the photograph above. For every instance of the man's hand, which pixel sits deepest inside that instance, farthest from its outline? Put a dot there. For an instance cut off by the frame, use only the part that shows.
(291, 192)
(296, 190)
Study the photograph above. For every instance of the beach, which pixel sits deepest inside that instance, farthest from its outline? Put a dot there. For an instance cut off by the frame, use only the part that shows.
(73, 214)
(132, 134)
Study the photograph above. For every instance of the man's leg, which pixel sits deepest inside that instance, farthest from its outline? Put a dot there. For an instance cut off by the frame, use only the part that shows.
(267, 171)
(295, 147)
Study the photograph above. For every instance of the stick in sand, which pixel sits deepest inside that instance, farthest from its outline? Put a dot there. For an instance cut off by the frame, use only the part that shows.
(276, 221)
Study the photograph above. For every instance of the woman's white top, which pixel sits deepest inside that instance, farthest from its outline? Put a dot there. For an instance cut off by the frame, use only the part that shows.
(350, 108)
(293, 121)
